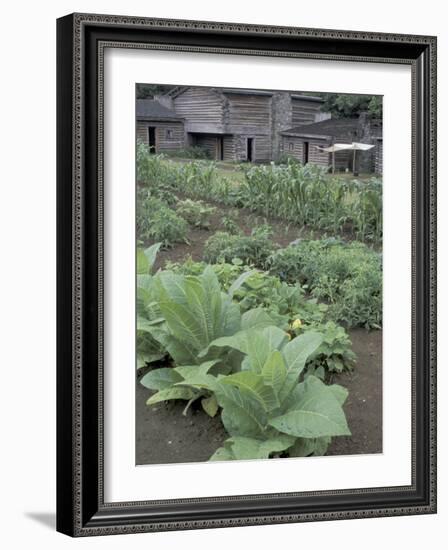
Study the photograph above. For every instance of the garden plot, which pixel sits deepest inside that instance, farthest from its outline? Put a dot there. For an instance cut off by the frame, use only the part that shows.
(258, 328)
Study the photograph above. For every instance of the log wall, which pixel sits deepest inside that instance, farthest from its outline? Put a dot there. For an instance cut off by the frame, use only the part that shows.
(164, 143)
(304, 112)
(315, 156)
(200, 105)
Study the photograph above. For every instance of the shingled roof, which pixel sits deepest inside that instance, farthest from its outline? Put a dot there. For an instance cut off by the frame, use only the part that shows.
(150, 109)
(325, 128)
(332, 127)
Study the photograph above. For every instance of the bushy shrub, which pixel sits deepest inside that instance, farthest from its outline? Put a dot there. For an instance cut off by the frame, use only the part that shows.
(196, 213)
(251, 250)
(346, 276)
(157, 222)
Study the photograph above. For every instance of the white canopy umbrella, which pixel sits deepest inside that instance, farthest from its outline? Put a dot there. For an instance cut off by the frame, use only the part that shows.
(354, 146)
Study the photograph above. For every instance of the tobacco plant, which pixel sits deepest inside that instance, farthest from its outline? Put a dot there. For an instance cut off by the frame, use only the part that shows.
(244, 365)
(265, 407)
(148, 315)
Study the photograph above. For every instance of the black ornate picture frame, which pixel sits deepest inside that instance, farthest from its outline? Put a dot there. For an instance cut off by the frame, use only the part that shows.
(81, 40)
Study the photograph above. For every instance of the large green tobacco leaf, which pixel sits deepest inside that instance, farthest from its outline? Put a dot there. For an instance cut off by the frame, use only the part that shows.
(256, 344)
(242, 413)
(146, 258)
(257, 318)
(274, 373)
(239, 282)
(172, 393)
(147, 325)
(310, 446)
(222, 454)
(184, 324)
(296, 354)
(197, 376)
(160, 379)
(191, 377)
(244, 448)
(148, 313)
(181, 353)
(339, 392)
(312, 410)
(253, 384)
(195, 310)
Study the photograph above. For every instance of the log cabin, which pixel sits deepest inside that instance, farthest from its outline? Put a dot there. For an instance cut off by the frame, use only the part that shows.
(305, 142)
(159, 127)
(231, 124)
(240, 125)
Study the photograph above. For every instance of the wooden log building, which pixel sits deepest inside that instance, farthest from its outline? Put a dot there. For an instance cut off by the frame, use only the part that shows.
(159, 127)
(305, 142)
(243, 125)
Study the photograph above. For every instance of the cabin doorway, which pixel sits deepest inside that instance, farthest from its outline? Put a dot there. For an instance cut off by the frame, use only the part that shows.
(219, 148)
(250, 149)
(306, 152)
(152, 139)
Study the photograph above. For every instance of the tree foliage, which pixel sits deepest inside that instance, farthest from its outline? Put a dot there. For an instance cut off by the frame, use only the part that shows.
(148, 91)
(351, 105)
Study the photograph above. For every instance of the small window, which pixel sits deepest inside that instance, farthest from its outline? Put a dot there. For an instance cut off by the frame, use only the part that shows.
(291, 146)
(169, 134)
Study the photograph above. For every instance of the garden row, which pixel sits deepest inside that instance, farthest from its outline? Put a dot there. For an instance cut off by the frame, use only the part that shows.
(347, 277)
(303, 195)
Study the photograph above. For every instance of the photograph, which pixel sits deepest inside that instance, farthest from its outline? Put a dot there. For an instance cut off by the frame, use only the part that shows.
(258, 277)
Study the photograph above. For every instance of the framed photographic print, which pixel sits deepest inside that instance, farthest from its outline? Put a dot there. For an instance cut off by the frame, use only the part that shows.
(246, 275)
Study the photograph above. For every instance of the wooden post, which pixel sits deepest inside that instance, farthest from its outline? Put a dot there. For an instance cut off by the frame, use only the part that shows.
(354, 161)
(333, 161)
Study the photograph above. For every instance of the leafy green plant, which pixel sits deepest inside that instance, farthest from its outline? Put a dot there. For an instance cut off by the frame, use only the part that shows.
(284, 302)
(252, 250)
(335, 354)
(194, 312)
(348, 277)
(230, 222)
(148, 315)
(244, 365)
(196, 213)
(266, 409)
(157, 222)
